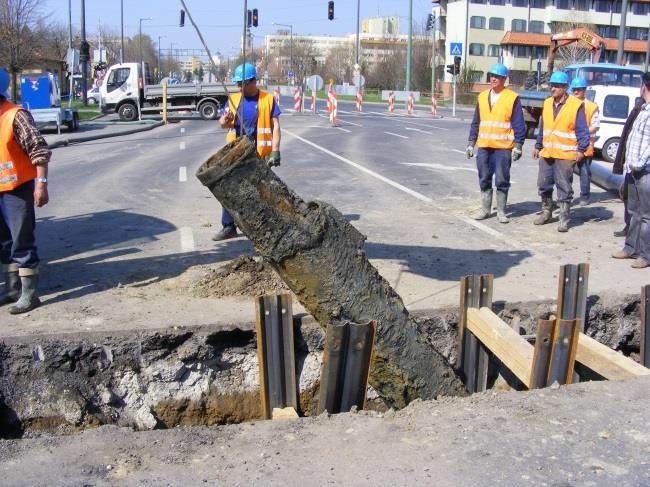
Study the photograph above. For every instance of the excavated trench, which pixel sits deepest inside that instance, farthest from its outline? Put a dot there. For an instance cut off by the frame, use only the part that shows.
(207, 376)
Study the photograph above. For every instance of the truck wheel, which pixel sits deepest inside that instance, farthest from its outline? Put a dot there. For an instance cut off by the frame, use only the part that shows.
(208, 110)
(610, 149)
(128, 112)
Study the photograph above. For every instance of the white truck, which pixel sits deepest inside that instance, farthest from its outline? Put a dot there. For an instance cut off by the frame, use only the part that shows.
(126, 91)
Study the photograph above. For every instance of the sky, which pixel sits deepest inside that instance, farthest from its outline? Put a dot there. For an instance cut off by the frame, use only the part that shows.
(221, 21)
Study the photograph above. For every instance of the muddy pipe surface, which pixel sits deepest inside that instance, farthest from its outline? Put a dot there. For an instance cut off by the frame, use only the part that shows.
(319, 256)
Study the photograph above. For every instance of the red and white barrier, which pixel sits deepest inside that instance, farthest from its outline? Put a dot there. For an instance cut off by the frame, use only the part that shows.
(359, 101)
(276, 95)
(313, 102)
(434, 105)
(391, 102)
(409, 104)
(332, 105)
(296, 99)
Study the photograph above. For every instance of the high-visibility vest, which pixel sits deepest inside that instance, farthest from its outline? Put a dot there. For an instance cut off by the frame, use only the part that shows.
(590, 109)
(264, 129)
(495, 130)
(559, 138)
(15, 166)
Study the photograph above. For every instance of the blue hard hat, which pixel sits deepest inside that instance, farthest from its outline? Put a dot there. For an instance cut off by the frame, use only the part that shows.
(4, 83)
(499, 70)
(244, 72)
(560, 78)
(578, 82)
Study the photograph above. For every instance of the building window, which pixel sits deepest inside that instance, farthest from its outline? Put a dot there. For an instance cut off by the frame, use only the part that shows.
(496, 23)
(520, 51)
(477, 22)
(616, 106)
(602, 5)
(536, 26)
(581, 4)
(476, 49)
(520, 3)
(518, 25)
(639, 8)
(478, 1)
(537, 3)
(476, 76)
(540, 52)
(617, 6)
(497, 2)
(638, 33)
(563, 4)
(636, 57)
(607, 31)
(494, 50)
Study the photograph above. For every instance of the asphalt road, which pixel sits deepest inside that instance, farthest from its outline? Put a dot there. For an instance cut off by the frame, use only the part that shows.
(128, 211)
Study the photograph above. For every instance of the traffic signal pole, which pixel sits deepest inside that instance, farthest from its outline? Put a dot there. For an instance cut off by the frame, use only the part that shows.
(433, 56)
(453, 88)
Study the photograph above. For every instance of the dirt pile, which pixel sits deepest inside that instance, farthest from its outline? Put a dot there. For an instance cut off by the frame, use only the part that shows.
(244, 276)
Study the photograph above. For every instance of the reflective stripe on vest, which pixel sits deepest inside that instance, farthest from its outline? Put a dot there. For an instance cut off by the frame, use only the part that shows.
(15, 166)
(559, 136)
(264, 130)
(590, 109)
(495, 129)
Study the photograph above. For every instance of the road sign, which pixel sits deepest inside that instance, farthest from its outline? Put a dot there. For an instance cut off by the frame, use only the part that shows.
(359, 81)
(290, 74)
(456, 48)
(315, 82)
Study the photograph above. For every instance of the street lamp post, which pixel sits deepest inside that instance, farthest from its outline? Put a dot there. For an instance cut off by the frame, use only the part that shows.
(290, 43)
(159, 37)
(121, 31)
(140, 39)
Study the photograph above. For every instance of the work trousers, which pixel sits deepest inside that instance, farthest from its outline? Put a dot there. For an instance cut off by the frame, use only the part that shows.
(558, 173)
(17, 223)
(226, 218)
(494, 162)
(637, 241)
(623, 194)
(584, 167)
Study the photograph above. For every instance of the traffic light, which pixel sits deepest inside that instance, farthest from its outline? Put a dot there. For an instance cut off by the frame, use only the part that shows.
(450, 69)
(182, 21)
(249, 18)
(457, 64)
(255, 17)
(330, 10)
(429, 22)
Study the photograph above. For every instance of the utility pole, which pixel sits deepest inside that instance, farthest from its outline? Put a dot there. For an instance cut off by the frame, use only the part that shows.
(122, 31)
(357, 44)
(647, 53)
(409, 48)
(433, 55)
(621, 33)
(243, 43)
(83, 55)
(69, 24)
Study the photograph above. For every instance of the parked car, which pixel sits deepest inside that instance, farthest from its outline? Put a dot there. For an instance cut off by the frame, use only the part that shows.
(93, 96)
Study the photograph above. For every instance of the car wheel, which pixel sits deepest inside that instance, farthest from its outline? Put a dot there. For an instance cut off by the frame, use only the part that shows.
(610, 149)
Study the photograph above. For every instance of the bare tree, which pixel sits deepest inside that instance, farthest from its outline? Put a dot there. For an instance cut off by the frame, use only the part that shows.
(388, 72)
(19, 21)
(338, 63)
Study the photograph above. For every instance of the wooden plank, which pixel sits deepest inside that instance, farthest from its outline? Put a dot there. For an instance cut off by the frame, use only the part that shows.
(513, 351)
(607, 362)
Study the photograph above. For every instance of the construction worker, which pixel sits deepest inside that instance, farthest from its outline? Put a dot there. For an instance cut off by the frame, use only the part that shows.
(499, 130)
(562, 140)
(592, 112)
(24, 157)
(259, 113)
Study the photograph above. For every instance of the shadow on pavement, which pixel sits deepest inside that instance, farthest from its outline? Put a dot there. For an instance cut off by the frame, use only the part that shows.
(92, 252)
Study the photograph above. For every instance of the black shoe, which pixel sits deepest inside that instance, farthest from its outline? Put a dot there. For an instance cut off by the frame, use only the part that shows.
(621, 233)
(228, 231)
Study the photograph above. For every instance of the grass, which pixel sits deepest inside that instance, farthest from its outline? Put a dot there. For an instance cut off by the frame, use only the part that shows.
(85, 113)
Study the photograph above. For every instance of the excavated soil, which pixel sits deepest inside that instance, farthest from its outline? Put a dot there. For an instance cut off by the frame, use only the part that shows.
(244, 276)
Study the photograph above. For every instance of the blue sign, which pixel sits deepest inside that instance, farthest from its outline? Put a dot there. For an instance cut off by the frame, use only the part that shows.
(290, 74)
(456, 48)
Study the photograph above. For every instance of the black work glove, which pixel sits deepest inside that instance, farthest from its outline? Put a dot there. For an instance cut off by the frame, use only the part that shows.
(274, 158)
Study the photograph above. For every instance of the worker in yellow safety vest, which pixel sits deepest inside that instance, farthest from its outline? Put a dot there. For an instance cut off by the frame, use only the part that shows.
(592, 112)
(255, 113)
(562, 140)
(499, 130)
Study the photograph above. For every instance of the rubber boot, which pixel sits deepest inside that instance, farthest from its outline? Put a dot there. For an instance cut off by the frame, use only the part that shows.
(565, 207)
(29, 297)
(502, 200)
(486, 205)
(11, 292)
(228, 231)
(547, 210)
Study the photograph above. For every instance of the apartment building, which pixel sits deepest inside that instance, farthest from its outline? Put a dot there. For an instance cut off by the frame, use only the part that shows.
(518, 32)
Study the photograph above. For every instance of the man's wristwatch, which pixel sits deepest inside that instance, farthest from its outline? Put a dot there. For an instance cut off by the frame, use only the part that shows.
(41, 180)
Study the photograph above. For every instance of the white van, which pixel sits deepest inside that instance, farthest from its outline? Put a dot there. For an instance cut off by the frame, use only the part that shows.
(615, 103)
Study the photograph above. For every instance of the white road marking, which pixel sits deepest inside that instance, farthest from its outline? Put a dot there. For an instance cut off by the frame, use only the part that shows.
(182, 130)
(182, 146)
(350, 123)
(182, 174)
(442, 167)
(459, 151)
(187, 239)
(428, 126)
(418, 130)
(342, 129)
(480, 226)
(397, 135)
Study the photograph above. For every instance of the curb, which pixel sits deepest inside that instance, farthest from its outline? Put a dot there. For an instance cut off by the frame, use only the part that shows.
(88, 138)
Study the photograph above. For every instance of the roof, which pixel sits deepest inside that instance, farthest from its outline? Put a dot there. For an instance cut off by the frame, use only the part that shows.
(526, 39)
(630, 45)
(608, 66)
